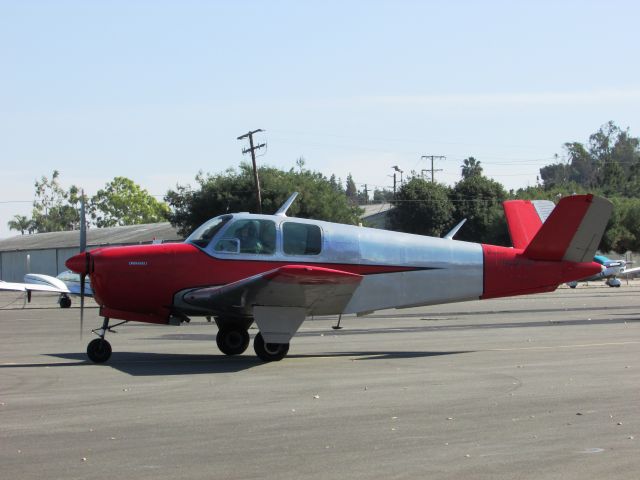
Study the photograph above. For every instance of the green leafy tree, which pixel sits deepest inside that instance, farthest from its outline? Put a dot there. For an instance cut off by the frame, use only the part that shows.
(123, 202)
(351, 190)
(555, 175)
(382, 196)
(422, 207)
(623, 230)
(336, 184)
(233, 191)
(479, 200)
(610, 163)
(54, 209)
(613, 180)
(21, 224)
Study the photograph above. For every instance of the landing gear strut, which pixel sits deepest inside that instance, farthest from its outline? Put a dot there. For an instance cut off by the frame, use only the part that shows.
(99, 350)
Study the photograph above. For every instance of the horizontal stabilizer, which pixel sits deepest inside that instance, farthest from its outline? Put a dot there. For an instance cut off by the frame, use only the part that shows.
(572, 231)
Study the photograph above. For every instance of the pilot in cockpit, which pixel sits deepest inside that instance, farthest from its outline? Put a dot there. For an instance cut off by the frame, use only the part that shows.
(248, 236)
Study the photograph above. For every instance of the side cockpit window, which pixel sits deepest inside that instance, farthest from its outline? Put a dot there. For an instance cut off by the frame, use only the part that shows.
(301, 239)
(249, 236)
(205, 232)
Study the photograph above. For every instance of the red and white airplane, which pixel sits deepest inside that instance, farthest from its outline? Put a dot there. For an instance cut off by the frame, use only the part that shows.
(277, 271)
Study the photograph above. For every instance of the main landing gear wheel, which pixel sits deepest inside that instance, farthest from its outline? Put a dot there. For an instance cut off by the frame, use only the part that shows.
(99, 350)
(65, 302)
(232, 341)
(269, 352)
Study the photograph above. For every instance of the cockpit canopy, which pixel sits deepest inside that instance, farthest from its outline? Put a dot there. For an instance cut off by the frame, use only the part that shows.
(259, 236)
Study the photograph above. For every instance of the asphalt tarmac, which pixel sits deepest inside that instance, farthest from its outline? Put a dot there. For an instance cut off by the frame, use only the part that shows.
(538, 387)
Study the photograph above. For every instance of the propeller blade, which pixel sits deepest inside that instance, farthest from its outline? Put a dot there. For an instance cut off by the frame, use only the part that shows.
(82, 278)
(83, 247)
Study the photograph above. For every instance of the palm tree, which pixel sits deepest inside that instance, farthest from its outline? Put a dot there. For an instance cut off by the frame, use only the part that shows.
(21, 224)
(471, 168)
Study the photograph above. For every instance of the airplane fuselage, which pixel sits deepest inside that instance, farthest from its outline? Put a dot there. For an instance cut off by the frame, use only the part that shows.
(148, 283)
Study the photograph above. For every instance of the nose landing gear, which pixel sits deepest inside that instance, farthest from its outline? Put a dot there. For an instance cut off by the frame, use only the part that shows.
(99, 350)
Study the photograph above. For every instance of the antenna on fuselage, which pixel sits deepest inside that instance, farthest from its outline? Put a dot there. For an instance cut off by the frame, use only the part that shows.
(282, 211)
(454, 230)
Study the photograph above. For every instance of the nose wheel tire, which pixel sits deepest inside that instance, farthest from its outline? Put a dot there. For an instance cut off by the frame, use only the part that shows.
(232, 341)
(99, 350)
(269, 352)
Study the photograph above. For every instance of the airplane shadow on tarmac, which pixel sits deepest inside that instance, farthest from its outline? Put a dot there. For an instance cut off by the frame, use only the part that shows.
(151, 364)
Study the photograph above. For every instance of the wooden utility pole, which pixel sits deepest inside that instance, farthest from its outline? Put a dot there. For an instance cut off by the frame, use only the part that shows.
(253, 149)
(432, 157)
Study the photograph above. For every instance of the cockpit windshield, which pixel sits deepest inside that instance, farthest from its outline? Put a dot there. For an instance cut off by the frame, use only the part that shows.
(205, 232)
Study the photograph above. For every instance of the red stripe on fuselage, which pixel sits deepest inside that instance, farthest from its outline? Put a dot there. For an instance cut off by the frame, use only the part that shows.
(144, 279)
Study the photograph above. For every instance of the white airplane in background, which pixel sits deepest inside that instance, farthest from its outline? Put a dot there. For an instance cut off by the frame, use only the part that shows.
(66, 279)
(53, 286)
(611, 269)
(65, 283)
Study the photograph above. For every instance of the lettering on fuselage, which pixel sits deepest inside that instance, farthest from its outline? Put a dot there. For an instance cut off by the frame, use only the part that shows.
(138, 263)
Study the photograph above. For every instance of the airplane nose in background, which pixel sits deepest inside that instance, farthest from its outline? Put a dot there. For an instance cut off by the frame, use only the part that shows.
(77, 263)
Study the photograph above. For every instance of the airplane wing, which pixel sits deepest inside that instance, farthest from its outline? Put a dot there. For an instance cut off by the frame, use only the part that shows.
(317, 290)
(629, 271)
(31, 287)
(279, 300)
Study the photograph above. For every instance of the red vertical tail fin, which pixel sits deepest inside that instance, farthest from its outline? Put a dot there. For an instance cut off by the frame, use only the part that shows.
(573, 230)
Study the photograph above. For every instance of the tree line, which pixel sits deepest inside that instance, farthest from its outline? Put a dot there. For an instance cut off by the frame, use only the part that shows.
(120, 202)
(607, 164)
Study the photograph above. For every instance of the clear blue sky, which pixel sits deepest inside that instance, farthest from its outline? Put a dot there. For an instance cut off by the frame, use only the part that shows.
(156, 91)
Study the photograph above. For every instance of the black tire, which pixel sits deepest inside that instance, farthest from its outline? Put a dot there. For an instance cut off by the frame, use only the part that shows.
(232, 341)
(65, 302)
(99, 350)
(572, 286)
(269, 352)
